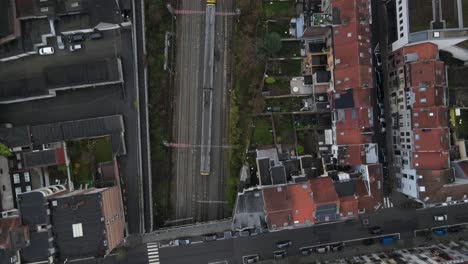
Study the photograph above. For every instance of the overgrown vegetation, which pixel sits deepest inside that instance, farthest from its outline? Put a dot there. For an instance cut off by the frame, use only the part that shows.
(158, 22)
(263, 131)
(85, 156)
(4, 150)
(248, 72)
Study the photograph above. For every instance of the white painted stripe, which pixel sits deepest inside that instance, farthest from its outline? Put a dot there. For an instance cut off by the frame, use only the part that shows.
(152, 246)
(153, 249)
(152, 243)
(153, 258)
(153, 262)
(153, 253)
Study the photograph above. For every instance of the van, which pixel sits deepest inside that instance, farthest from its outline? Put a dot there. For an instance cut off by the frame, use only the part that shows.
(76, 37)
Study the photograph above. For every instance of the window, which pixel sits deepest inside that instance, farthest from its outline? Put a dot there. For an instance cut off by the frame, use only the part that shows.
(77, 230)
(26, 177)
(411, 177)
(401, 35)
(17, 190)
(28, 188)
(423, 100)
(416, 136)
(16, 178)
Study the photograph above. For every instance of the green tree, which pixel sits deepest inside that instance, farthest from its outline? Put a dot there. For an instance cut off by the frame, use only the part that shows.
(270, 80)
(300, 150)
(4, 150)
(272, 43)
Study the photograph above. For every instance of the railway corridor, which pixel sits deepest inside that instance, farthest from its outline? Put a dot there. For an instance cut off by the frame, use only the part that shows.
(197, 198)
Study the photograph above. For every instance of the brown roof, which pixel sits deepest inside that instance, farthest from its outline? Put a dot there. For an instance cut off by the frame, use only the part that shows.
(428, 72)
(349, 206)
(439, 185)
(430, 117)
(351, 155)
(431, 139)
(324, 191)
(352, 136)
(425, 51)
(302, 203)
(277, 202)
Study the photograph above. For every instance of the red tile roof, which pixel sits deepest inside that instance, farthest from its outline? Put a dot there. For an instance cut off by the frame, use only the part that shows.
(355, 118)
(323, 190)
(430, 160)
(362, 98)
(438, 185)
(352, 57)
(425, 51)
(277, 202)
(351, 155)
(430, 139)
(428, 72)
(430, 117)
(352, 136)
(428, 96)
(370, 199)
(302, 203)
(349, 206)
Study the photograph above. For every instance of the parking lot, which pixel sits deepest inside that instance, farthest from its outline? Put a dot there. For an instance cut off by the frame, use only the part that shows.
(34, 75)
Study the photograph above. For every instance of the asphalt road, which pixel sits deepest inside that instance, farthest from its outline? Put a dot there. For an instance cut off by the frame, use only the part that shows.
(393, 220)
(187, 108)
(88, 103)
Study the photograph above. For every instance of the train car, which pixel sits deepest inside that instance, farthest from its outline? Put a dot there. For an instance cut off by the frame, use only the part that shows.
(210, 2)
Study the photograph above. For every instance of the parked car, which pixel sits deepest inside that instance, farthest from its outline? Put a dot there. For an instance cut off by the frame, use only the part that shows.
(388, 240)
(244, 233)
(323, 249)
(280, 254)
(46, 51)
(454, 229)
(252, 259)
(95, 35)
(76, 37)
(182, 241)
(75, 47)
(440, 231)
(440, 218)
(375, 230)
(210, 237)
(283, 244)
(337, 247)
(368, 241)
(306, 251)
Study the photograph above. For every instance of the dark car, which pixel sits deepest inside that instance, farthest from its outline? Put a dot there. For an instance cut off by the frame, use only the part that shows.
(280, 254)
(454, 229)
(283, 244)
(210, 237)
(252, 259)
(368, 241)
(244, 233)
(306, 251)
(337, 247)
(76, 37)
(375, 230)
(95, 35)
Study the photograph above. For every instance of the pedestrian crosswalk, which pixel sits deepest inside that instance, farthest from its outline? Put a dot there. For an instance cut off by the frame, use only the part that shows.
(387, 202)
(153, 253)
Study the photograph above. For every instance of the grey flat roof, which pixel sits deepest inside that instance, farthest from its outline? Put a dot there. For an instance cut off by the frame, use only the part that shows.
(15, 136)
(278, 174)
(87, 128)
(264, 170)
(345, 188)
(61, 77)
(84, 209)
(38, 250)
(249, 210)
(32, 208)
(39, 158)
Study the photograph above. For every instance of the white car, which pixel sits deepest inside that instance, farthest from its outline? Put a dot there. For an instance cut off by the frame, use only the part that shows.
(46, 51)
(440, 218)
(74, 47)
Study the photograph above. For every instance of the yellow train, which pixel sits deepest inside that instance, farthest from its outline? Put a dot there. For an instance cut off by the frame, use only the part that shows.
(211, 2)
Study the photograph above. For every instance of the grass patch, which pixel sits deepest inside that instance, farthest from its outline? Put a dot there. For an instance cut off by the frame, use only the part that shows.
(461, 123)
(450, 13)
(465, 12)
(277, 9)
(420, 15)
(279, 87)
(280, 26)
(263, 132)
(290, 49)
(158, 22)
(286, 104)
(284, 128)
